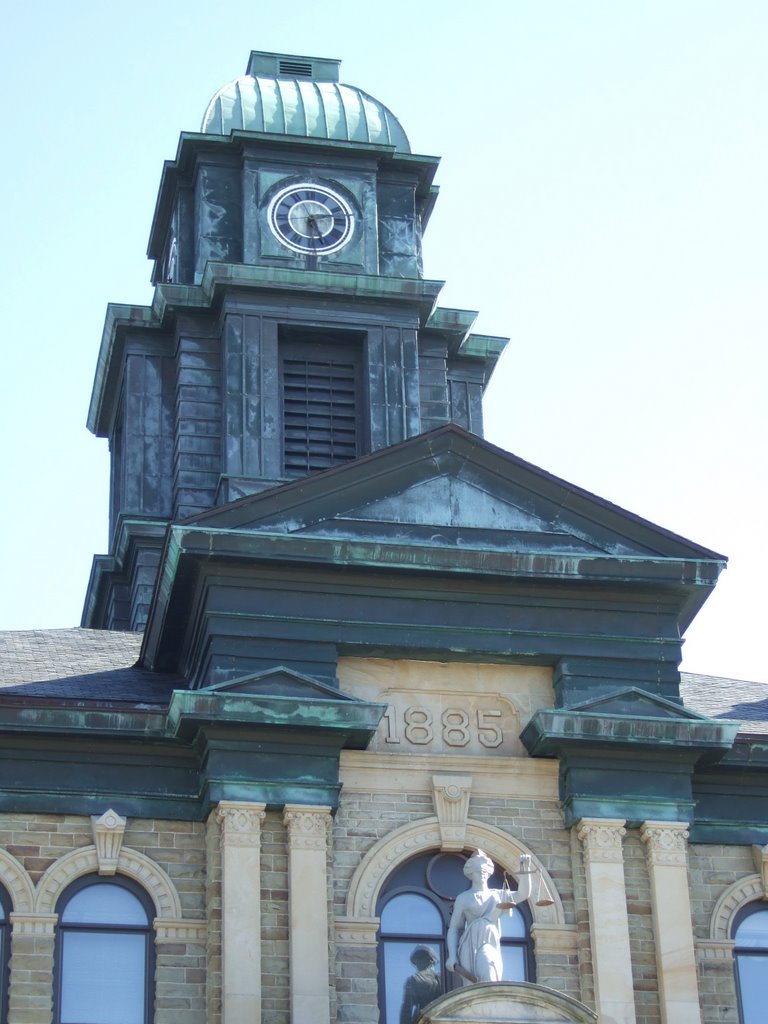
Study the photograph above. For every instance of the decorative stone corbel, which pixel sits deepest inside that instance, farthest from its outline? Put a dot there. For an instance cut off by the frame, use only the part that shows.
(451, 798)
(760, 855)
(108, 831)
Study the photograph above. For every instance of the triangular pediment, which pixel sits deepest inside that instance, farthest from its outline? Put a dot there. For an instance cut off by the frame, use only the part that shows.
(637, 703)
(278, 682)
(450, 489)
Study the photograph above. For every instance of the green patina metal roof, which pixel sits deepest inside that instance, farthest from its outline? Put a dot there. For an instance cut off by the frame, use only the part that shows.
(300, 96)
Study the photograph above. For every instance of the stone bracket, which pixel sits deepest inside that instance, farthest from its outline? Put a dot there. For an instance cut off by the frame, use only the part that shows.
(108, 831)
(451, 798)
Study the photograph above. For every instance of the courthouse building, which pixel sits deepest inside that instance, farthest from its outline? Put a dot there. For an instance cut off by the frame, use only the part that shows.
(340, 641)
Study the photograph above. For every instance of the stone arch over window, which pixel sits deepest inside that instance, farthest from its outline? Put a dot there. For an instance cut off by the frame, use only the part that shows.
(736, 896)
(418, 837)
(17, 883)
(131, 863)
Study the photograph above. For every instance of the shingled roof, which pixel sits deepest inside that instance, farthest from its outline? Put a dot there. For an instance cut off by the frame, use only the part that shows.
(721, 697)
(100, 665)
(80, 665)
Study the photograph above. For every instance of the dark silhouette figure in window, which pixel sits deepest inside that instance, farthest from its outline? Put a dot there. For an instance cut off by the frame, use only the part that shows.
(421, 987)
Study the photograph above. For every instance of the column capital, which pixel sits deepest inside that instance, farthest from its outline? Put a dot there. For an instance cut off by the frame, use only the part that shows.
(34, 924)
(307, 826)
(240, 822)
(601, 838)
(665, 842)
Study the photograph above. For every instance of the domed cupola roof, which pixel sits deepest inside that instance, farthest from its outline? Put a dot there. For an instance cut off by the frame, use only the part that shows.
(301, 96)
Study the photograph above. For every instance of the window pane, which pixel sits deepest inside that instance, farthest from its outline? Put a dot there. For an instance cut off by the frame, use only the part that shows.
(513, 960)
(512, 925)
(753, 985)
(753, 930)
(445, 875)
(410, 914)
(102, 978)
(105, 904)
(404, 991)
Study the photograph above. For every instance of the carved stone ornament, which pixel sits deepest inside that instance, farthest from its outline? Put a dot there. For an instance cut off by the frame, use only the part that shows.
(240, 823)
(602, 838)
(451, 797)
(665, 842)
(760, 855)
(307, 826)
(108, 831)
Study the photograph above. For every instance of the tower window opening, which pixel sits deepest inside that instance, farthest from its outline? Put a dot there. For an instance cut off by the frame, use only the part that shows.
(321, 404)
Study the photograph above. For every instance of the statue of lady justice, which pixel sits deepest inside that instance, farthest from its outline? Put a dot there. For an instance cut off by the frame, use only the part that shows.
(474, 933)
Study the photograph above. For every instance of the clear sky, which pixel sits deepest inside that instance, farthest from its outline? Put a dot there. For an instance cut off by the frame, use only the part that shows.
(603, 203)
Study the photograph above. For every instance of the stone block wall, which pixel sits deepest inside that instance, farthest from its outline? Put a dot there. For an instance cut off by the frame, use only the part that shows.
(364, 819)
(213, 914)
(714, 871)
(275, 991)
(581, 913)
(43, 842)
(188, 982)
(641, 940)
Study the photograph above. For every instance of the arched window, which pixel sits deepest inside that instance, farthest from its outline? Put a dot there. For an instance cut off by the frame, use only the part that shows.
(5, 951)
(104, 953)
(415, 908)
(750, 934)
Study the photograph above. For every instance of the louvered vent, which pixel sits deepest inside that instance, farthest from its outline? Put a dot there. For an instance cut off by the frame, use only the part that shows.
(320, 427)
(292, 65)
(295, 68)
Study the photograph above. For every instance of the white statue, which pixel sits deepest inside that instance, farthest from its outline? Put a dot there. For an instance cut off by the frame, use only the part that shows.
(474, 934)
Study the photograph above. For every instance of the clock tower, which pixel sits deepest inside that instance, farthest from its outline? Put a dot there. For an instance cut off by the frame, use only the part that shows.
(291, 328)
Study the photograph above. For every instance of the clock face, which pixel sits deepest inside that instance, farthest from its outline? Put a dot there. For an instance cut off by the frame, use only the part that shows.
(310, 218)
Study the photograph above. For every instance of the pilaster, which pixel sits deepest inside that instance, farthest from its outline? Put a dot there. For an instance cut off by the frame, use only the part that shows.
(308, 912)
(665, 852)
(608, 920)
(241, 910)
